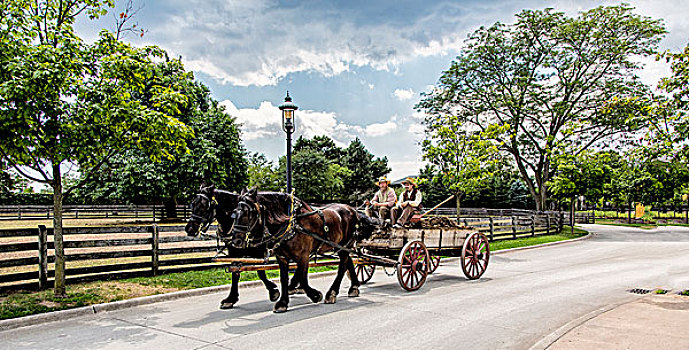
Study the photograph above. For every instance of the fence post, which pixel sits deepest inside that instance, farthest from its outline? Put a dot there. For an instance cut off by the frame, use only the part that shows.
(42, 257)
(533, 225)
(547, 224)
(154, 213)
(19, 213)
(562, 222)
(514, 227)
(154, 249)
(492, 227)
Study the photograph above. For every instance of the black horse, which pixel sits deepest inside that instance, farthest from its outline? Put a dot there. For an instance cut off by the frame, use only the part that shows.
(211, 204)
(292, 231)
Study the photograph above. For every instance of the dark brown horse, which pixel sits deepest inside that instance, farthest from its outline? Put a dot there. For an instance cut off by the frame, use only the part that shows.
(211, 204)
(292, 231)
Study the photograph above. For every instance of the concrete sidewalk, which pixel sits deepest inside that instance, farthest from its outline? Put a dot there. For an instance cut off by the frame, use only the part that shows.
(652, 322)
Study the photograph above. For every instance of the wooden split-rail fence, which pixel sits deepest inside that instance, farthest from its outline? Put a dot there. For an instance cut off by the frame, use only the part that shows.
(115, 252)
(99, 253)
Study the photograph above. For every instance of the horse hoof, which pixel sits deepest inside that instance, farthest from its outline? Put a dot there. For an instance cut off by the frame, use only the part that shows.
(295, 291)
(225, 306)
(353, 292)
(274, 295)
(280, 309)
(316, 298)
(330, 298)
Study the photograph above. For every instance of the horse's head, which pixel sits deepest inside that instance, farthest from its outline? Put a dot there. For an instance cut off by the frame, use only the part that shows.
(246, 216)
(366, 226)
(202, 211)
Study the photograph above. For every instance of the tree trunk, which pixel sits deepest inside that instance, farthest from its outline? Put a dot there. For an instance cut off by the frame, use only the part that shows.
(629, 213)
(571, 215)
(458, 203)
(171, 207)
(60, 289)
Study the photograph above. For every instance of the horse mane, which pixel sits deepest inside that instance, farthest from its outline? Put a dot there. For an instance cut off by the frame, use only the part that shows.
(276, 206)
(226, 197)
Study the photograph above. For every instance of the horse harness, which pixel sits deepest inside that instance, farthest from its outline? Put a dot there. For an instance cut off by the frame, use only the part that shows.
(288, 230)
(207, 219)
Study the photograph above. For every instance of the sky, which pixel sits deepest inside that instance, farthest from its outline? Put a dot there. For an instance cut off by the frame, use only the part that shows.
(355, 68)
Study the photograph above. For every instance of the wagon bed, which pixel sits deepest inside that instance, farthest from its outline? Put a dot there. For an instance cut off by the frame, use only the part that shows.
(420, 250)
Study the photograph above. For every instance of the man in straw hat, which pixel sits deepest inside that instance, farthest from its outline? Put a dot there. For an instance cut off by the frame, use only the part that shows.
(382, 201)
(408, 204)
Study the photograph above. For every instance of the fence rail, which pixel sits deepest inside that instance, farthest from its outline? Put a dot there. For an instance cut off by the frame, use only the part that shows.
(136, 251)
(34, 212)
(112, 252)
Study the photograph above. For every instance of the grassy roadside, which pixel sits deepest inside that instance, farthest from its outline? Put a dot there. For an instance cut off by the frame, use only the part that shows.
(28, 303)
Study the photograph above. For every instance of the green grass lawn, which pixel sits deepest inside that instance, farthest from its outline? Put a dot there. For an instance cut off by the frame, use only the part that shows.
(28, 303)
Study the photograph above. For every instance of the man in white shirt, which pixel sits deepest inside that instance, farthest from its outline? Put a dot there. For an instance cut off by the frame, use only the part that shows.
(408, 204)
(382, 201)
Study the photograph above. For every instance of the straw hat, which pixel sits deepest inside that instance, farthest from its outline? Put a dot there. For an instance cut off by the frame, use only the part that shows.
(381, 180)
(409, 180)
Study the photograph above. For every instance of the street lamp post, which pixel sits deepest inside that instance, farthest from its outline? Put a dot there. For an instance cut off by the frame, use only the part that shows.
(288, 126)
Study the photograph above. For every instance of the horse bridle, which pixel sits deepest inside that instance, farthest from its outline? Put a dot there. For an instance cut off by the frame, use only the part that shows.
(242, 231)
(206, 220)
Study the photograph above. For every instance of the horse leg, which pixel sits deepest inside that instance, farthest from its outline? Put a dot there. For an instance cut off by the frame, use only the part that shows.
(281, 305)
(294, 285)
(331, 295)
(233, 298)
(303, 273)
(273, 292)
(354, 286)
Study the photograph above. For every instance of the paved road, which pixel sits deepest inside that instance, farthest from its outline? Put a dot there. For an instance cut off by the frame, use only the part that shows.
(523, 297)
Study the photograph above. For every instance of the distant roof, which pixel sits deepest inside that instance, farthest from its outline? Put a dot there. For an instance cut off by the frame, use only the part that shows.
(399, 181)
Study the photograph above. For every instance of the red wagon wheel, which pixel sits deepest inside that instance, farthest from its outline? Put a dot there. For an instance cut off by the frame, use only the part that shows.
(475, 255)
(364, 273)
(433, 263)
(413, 265)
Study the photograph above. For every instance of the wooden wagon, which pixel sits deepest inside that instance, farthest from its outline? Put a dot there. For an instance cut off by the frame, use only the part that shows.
(412, 252)
(418, 252)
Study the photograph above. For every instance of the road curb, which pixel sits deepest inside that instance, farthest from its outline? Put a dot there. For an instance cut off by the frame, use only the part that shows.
(553, 337)
(61, 315)
(549, 244)
(123, 304)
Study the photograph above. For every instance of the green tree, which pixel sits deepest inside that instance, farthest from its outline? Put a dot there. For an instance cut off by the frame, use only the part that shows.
(264, 175)
(216, 154)
(538, 86)
(64, 101)
(464, 160)
(324, 171)
(365, 169)
(584, 174)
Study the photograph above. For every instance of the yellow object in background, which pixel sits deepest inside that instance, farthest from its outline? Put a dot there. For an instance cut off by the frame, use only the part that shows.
(639, 210)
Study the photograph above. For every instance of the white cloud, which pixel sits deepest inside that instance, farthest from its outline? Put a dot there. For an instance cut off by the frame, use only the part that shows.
(265, 121)
(255, 43)
(416, 129)
(404, 94)
(380, 129)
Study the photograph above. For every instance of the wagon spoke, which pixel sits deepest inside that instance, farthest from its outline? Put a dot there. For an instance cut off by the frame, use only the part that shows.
(409, 276)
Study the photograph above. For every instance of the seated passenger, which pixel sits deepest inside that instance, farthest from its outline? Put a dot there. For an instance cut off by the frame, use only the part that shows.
(382, 201)
(408, 204)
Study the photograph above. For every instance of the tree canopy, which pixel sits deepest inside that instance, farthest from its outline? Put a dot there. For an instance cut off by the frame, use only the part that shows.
(539, 85)
(216, 154)
(68, 102)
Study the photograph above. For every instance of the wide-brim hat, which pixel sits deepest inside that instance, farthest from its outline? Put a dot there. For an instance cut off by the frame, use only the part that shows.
(381, 180)
(409, 180)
